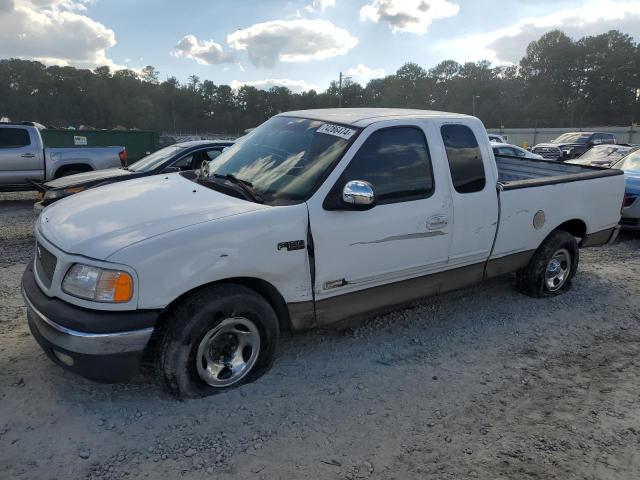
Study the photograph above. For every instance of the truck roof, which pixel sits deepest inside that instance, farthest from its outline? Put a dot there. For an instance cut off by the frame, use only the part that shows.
(195, 143)
(362, 117)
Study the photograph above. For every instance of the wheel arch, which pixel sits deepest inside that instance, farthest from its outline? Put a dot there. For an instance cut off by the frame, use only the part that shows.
(82, 167)
(263, 288)
(576, 227)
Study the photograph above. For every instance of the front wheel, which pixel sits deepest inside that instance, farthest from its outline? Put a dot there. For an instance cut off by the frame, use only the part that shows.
(552, 267)
(218, 338)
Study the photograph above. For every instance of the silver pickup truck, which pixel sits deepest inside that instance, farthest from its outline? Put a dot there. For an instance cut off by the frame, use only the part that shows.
(24, 160)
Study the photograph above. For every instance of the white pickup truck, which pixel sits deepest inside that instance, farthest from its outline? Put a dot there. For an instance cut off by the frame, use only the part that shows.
(24, 160)
(312, 218)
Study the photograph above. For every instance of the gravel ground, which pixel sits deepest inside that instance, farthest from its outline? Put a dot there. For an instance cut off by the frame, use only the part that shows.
(479, 383)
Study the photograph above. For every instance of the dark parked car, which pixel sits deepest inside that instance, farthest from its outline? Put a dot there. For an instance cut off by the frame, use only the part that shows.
(174, 158)
(604, 155)
(571, 145)
(630, 165)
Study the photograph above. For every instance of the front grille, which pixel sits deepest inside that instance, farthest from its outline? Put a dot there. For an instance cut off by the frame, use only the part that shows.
(45, 264)
(548, 153)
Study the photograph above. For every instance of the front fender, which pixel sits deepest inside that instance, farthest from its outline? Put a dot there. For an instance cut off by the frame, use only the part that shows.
(245, 245)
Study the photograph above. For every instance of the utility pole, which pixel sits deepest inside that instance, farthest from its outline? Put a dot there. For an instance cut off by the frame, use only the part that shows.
(341, 78)
(473, 104)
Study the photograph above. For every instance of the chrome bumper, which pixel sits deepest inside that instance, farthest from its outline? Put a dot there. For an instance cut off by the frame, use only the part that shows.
(87, 343)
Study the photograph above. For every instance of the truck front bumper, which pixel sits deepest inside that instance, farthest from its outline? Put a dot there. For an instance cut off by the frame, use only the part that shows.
(104, 356)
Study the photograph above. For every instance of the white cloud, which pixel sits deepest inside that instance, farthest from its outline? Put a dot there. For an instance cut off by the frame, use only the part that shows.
(320, 5)
(295, 40)
(205, 52)
(508, 44)
(55, 32)
(413, 16)
(364, 73)
(295, 86)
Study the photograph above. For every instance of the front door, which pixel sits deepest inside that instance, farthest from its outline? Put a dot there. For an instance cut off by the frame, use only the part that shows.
(19, 157)
(406, 235)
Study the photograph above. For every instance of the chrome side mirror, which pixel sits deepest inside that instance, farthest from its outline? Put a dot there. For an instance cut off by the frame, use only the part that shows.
(358, 195)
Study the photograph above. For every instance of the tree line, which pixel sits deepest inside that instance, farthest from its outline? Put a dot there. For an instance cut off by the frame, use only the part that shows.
(560, 82)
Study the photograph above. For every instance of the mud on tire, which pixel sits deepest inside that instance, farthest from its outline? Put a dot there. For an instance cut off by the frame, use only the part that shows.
(532, 279)
(198, 317)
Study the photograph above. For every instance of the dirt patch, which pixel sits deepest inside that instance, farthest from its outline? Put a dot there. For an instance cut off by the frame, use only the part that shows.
(479, 383)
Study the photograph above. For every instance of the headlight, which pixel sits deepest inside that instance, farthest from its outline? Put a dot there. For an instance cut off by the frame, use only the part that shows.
(56, 194)
(98, 284)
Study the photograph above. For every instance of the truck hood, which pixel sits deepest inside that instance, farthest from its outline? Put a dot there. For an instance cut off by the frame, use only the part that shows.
(99, 222)
(87, 177)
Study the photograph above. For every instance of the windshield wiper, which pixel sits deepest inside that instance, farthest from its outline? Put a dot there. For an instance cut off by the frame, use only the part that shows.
(245, 186)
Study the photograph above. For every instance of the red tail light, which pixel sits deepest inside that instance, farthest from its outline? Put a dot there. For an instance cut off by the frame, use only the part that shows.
(627, 200)
(123, 157)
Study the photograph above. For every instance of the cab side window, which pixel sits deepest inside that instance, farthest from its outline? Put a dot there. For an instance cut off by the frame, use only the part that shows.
(14, 138)
(396, 162)
(213, 153)
(184, 163)
(504, 151)
(465, 159)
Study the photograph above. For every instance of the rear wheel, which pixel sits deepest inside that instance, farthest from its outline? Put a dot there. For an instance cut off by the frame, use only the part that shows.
(220, 337)
(551, 268)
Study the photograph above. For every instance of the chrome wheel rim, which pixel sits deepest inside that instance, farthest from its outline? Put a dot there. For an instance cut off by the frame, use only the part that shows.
(558, 270)
(228, 352)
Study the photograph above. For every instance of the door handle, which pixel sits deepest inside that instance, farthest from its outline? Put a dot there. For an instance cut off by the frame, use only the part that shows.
(437, 221)
(28, 155)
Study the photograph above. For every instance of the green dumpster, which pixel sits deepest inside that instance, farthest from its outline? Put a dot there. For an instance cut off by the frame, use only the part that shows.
(137, 142)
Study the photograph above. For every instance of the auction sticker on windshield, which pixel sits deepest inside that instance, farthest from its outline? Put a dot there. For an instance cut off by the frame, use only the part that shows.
(336, 131)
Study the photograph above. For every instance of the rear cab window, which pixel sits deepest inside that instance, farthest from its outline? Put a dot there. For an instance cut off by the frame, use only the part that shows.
(14, 137)
(465, 159)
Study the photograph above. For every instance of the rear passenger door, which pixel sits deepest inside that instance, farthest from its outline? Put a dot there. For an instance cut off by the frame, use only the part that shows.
(475, 204)
(406, 235)
(20, 158)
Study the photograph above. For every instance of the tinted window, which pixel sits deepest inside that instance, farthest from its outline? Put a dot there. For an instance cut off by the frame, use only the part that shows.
(184, 163)
(520, 152)
(465, 159)
(213, 153)
(156, 159)
(508, 151)
(396, 162)
(14, 137)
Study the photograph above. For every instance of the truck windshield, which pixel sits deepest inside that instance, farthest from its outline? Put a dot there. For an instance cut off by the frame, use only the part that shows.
(284, 158)
(156, 159)
(572, 138)
(630, 163)
(608, 152)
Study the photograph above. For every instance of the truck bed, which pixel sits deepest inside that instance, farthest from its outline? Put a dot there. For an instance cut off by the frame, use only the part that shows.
(517, 172)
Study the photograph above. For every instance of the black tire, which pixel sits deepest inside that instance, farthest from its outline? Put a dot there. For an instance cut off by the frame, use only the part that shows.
(189, 322)
(531, 279)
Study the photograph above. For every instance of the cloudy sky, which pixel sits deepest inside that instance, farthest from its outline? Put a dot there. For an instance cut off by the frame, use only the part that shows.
(298, 43)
